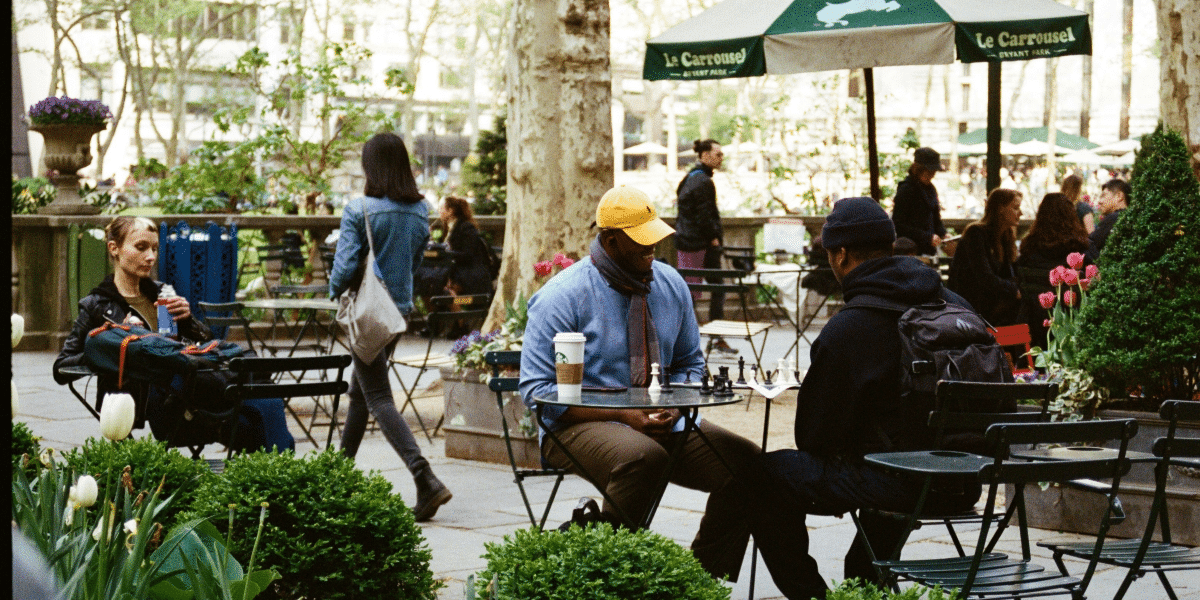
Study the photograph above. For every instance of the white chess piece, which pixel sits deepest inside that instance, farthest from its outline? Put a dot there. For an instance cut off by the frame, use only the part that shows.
(655, 388)
(792, 371)
(781, 376)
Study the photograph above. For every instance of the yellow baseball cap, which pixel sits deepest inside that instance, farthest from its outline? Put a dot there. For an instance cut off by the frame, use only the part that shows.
(629, 210)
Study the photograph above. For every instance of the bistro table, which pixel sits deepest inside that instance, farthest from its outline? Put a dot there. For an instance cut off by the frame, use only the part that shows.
(685, 398)
(306, 310)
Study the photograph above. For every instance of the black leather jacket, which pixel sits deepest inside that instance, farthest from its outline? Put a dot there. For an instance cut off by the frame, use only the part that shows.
(105, 303)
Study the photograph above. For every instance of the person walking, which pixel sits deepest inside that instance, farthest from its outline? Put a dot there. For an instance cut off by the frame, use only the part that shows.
(916, 212)
(395, 210)
(698, 234)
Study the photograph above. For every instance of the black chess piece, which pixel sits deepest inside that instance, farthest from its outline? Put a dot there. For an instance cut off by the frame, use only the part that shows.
(741, 371)
(705, 390)
(664, 380)
(723, 387)
(796, 376)
(767, 377)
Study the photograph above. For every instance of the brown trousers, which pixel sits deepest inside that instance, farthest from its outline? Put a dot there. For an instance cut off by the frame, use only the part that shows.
(627, 464)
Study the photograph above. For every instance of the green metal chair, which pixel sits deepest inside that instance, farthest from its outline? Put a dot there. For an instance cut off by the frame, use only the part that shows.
(1142, 556)
(501, 361)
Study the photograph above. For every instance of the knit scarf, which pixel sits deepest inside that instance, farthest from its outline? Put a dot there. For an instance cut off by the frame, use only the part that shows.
(643, 340)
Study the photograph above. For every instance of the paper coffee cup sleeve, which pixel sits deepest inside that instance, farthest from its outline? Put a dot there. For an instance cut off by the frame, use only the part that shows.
(569, 374)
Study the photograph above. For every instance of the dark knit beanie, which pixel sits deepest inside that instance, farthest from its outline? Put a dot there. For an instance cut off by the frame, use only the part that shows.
(856, 222)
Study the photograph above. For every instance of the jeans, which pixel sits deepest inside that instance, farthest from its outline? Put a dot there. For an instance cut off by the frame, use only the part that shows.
(771, 498)
(371, 390)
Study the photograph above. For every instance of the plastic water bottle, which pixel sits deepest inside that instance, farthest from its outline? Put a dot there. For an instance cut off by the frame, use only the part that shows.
(166, 324)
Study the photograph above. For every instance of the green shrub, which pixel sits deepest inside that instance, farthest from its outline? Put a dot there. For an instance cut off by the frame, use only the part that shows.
(24, 442)
(31, 193)
(331, 531)
(485, 173)
(852, 589)
(151, 460)
(1141, 323)
(594, 563)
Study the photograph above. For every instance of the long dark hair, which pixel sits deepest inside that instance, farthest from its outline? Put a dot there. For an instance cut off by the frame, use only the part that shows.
(389, 173)
(1072, 187)
(461, 209)
(1056, 228)
(1002, 241)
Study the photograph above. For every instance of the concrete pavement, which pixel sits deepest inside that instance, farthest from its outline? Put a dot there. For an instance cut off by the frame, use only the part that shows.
(487, 505)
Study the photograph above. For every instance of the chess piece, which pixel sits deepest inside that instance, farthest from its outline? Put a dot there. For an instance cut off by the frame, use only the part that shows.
(741, 371)
(794, 376)
(723, 386)
(781, 371)
(655, 385)
(664, 380)
(754, 373)
(767, 378)
(705, 390)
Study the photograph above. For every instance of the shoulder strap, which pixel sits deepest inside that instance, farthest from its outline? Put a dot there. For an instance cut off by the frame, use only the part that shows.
(869, 301)
(367, 226)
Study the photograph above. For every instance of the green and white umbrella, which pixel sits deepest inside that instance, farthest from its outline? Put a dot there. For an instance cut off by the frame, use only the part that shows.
(745, 38)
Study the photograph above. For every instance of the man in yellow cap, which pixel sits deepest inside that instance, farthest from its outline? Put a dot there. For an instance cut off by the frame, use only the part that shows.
(634, 311)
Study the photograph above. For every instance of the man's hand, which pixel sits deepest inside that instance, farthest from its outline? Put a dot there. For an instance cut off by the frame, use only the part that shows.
(936, 240)
(653, 422)
(178, 307)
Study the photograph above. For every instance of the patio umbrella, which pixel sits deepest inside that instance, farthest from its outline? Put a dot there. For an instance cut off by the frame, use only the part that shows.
(1120, 147)
(744, 38)
(1066, 142)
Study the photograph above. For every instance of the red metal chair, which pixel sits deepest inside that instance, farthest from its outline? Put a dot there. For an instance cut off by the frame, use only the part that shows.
(1009, 336)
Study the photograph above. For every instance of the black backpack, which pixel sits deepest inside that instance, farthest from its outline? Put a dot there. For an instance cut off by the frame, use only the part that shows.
(942, 341)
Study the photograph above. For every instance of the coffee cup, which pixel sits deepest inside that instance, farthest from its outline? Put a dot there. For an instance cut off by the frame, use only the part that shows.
(568, 364)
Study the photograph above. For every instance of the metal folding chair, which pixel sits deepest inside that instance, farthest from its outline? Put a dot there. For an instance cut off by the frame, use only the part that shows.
(1142, 556)
(500, 362)
(248, 387)
(733, 282)
(995, 576)
(443, 311)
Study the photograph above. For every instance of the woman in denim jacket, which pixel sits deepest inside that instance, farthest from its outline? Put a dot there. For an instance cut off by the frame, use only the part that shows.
(399, 220)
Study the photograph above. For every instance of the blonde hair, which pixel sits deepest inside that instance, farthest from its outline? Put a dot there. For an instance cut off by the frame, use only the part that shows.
(122, 226)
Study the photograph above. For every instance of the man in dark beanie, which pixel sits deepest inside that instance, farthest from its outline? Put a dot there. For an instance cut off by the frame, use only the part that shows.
(849, 405)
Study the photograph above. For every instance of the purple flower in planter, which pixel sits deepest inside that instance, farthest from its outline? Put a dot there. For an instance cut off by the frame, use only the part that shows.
(64, 110)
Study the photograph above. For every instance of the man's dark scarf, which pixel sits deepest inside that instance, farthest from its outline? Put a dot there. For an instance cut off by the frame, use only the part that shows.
(643, 339)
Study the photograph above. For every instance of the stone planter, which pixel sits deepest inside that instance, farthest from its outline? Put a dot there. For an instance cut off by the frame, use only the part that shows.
(68, 149)
(473, 428)
(1068, 509)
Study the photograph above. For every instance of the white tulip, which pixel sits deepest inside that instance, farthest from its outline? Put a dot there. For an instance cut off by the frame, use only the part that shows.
(16, 405)
(18, 329)
(47, 457)
(99, 528)
(84, 492)
(131, 526)
(116, 416)
(69, 515)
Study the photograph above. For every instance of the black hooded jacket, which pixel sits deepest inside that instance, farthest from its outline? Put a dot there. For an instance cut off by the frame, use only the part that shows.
(698, 221)
(849, 403)
(105, 303)
(917, 213)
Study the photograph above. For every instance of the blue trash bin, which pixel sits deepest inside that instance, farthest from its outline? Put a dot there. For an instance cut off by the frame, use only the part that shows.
(201, 264)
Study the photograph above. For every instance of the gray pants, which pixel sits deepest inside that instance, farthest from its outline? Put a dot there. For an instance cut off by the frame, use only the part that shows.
(371, 390)
(627, 464)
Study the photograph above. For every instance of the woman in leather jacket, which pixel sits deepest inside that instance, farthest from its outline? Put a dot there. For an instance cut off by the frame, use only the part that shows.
(127, 296)
(472, 264)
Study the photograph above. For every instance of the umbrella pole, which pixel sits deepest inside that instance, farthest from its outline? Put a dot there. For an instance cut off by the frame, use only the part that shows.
(872, 147)
(993, 126)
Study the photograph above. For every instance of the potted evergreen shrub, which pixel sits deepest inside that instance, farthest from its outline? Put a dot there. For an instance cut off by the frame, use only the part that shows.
(67, 125)
(1137, 333)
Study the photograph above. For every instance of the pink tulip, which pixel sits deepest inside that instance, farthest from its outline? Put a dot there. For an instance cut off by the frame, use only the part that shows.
(1069, 297)
(1092, 271)
(1071, 277)
(543, 268)
(1084, 284)
(1056, 275)
(1075, 259)
(559, 259)
(1047, 323)
(1047, 300)
(566, 262)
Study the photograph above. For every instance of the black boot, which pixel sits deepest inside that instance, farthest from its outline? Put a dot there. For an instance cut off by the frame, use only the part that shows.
(431, 494)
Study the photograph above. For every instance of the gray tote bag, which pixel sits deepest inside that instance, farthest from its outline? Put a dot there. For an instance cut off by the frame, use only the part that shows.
(368, 315)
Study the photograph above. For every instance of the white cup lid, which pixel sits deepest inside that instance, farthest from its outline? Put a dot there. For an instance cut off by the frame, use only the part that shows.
(568, 336)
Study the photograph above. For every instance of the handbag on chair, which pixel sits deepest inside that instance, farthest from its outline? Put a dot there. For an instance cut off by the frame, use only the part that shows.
(367, 313)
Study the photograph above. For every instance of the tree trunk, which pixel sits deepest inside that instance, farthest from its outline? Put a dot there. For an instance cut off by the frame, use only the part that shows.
(1126, 68)
(1179, 92)
(1085, 108)
(1051, 123)
(559, 137)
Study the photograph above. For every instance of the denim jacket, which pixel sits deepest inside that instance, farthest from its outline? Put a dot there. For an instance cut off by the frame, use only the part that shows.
(400, 232)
